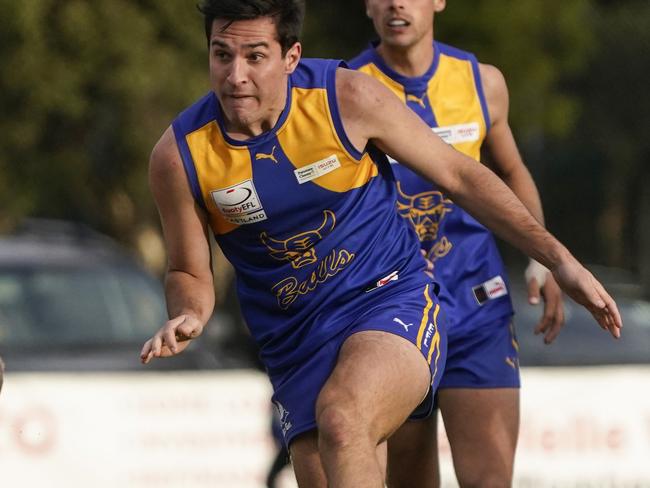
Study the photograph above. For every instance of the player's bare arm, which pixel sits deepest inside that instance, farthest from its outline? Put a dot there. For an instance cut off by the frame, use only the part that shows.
(506, 161)
(188, 284)
(371, 113)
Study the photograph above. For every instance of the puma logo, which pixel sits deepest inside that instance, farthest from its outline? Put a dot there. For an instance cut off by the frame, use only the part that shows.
(406, 326)
(419, 101)
(271, 156)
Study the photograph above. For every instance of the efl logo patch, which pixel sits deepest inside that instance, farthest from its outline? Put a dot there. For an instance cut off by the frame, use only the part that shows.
(490, 290)
(454, 134)
(319, 168)
(239, 203)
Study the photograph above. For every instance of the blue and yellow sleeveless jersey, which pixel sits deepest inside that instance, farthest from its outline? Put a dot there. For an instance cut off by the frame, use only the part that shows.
(307, 221)
(449, 98)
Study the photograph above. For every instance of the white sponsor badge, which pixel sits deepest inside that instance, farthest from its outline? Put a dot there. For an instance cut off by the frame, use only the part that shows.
(239, 203)
(495, 287)
(454, 134)
(319, 168)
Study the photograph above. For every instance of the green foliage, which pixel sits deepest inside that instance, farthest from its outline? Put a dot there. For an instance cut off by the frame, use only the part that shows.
(88, 88)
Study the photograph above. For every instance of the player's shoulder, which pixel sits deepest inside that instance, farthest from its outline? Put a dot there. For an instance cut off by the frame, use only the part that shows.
(165, 157)
(494, 83)
(358, 90)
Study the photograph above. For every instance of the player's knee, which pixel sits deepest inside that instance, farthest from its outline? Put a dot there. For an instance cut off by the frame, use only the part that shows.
(337, 426)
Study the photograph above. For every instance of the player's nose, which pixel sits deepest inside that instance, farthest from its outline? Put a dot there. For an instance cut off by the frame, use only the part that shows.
(237, 73)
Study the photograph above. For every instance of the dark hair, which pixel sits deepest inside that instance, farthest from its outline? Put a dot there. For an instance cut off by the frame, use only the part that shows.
(288, 15)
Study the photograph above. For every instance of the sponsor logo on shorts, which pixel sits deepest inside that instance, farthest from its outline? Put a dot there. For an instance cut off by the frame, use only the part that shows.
(431, 329)
(317, 169)
(239, 204)
(490, 290)
(399, 321)
(285, 424)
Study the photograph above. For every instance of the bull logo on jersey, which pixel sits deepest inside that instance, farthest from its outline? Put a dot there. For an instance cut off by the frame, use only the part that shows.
(299, 249)
(426, 211)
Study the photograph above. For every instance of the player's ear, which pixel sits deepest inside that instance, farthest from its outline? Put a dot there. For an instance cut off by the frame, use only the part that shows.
(292, 58)
(367, 9)
(439, 5)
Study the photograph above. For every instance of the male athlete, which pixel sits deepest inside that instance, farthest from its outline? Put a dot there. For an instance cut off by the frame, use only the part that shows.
(278, 161)
(466, 104)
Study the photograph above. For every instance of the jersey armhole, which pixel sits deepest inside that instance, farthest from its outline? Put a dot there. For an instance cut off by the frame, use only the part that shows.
(188, 163)
(480, 92)
(334, 109)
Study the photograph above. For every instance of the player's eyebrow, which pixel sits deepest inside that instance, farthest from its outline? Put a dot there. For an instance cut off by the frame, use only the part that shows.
(252, 45)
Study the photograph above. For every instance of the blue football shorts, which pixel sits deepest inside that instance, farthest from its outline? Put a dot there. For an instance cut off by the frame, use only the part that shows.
(414, 315)
(482, 356)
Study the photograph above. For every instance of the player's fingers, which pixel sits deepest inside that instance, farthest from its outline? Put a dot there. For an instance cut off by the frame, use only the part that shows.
(557, 324)
(608, 311)
(169, 339)
(156, 345)
(188, 330)
(533, 291)
(145, 353)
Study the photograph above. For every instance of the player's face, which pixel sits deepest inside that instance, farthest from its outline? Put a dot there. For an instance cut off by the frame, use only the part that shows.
(403, 23)
(248, 72)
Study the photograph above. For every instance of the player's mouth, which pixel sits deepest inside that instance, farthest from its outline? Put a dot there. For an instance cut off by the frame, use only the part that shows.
(397, 23)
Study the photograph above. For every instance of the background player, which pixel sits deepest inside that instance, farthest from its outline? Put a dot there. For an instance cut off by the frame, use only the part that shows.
(467, 105)
(274, 162)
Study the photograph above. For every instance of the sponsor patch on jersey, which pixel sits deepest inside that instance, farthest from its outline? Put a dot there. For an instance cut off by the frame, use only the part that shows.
(490, 290)
(239, 203)
(454, 134)
(319, 168)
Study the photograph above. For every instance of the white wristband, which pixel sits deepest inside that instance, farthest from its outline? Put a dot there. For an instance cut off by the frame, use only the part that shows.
(536, 270)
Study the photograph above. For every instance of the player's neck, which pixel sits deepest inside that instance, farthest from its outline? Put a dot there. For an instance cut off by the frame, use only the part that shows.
(241, 128)
(411, 61)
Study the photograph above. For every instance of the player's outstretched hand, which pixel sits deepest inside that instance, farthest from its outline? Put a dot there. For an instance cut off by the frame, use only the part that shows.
(586, 290)
(540, 283)
(172, 338)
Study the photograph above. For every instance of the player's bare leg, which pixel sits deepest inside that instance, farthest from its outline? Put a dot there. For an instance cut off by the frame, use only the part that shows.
(378, 381)
(306, 461)
(413, 455)
(488, 418)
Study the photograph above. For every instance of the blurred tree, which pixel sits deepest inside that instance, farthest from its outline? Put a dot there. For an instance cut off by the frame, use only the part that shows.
(87, 89)
(617, 123)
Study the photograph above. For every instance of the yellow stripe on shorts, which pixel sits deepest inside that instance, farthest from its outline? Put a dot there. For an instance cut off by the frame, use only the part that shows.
(425, 317)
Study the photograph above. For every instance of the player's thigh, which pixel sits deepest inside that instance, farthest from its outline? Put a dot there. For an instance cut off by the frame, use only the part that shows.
(378, 380)
(413, 455)
(482, 426)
